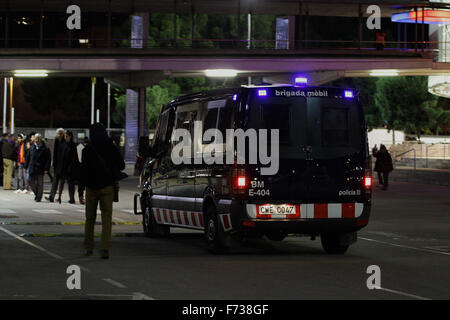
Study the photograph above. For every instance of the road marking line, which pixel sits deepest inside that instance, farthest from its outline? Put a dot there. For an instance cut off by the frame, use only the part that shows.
(139, 296)
(402, 293)
(128, 210)
(6, 211)
(406, 247)
(115, 283)
(51, 254)
(134, 296)
(47, 211)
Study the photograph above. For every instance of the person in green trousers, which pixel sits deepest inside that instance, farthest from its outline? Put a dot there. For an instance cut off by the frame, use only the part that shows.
(100, 161)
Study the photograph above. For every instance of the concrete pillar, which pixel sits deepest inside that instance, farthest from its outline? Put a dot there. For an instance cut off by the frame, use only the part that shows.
(292, 33)
(135, 123)
(41, 25)
(135, 119)
(6, 17)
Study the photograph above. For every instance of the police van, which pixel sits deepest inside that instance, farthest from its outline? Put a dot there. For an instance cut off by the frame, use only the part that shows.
(312, 174)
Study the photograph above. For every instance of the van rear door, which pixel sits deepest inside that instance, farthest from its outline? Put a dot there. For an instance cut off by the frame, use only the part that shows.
(321, 146)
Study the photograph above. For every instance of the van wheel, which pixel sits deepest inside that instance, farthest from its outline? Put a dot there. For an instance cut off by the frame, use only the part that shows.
(151, 228)
(330, 243)
(217, 240)
(276, 235)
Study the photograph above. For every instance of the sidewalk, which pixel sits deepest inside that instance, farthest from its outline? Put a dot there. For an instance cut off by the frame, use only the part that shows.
(421, 175)
(21, 208)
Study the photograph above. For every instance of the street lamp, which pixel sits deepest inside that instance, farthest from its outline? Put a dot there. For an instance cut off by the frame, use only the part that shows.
(221, 73)
(31, 73)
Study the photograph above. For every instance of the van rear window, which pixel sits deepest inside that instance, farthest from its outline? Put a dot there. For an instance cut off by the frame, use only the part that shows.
(334, 127)
(277, 116)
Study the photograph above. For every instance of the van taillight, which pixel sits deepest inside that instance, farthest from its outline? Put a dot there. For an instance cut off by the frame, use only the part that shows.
(368, 174)
(241, 182)
(368, 181)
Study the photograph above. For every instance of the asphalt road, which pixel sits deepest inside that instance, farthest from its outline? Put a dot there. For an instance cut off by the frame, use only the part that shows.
(408, 237)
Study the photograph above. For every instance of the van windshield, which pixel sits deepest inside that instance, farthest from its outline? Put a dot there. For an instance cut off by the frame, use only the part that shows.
(315, 127)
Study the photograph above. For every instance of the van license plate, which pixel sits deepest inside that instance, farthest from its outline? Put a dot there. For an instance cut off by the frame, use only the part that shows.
(274, 209)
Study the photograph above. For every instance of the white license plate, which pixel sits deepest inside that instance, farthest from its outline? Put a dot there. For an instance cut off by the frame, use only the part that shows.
(275, 209)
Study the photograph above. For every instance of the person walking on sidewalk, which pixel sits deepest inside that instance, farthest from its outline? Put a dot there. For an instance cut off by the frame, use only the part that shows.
(21, 158)
(383, 165)
(58, 150)
(100, 162)
(69, 166)
(9, 157)
(38, 164)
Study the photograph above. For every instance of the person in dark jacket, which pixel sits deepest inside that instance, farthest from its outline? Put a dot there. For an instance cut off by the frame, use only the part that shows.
(383, 165)
(58, 150)
(100, 160)
(9, 156)
(69, 166)
(38, 164)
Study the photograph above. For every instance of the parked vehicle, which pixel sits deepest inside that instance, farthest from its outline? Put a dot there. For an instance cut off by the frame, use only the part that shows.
(322, 186)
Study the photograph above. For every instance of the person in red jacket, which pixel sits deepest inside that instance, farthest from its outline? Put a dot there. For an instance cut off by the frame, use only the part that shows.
(22, 184)
(380, 40)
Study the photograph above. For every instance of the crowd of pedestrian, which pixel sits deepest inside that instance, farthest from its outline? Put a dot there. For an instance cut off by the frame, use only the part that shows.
(94, 165)
(25, 160)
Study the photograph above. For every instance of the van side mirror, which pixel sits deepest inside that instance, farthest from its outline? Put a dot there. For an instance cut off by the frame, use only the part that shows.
(144, 149)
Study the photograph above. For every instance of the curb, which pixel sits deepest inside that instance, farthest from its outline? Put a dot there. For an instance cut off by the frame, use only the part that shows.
(80, 223)
(78, 235)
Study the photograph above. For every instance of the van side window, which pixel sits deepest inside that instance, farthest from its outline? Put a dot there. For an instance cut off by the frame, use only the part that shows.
(335, 127)
(161, 130)
(217, 115)
(186, 115)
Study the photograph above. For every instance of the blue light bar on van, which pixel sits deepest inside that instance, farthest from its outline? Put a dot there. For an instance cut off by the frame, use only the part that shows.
(234, 97)
(301, 80)
(262, 93)
(348, 94)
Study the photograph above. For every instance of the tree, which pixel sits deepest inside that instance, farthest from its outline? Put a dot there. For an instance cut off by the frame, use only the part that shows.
(50, 95)
(403, 101)
(438, 117)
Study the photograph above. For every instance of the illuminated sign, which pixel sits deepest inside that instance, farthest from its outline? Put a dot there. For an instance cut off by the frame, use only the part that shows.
(430, 16)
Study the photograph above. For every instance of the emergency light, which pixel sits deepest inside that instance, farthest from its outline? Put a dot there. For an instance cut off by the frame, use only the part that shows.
(348, 94)
(262, 93)
(301, 80)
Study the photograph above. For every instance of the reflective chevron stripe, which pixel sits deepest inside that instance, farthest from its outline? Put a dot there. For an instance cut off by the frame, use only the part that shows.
(189, 219)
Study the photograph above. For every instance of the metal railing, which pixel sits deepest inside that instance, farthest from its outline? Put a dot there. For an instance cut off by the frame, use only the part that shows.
(396, 157)
(152, 43)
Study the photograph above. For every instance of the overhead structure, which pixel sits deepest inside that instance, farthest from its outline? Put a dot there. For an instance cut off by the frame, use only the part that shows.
(436, 14)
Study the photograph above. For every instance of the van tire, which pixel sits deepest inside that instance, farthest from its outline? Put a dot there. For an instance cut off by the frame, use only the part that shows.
(217, 240)
(330, 243)
(151, 228)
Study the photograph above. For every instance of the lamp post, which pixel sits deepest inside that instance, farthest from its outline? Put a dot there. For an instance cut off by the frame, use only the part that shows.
(93, 81)
(11, 103)
(5, 99)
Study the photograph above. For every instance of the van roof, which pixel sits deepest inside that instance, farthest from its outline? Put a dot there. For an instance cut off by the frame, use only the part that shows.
(198, 96)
